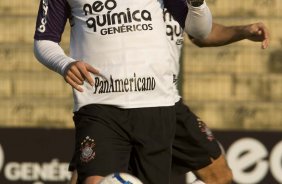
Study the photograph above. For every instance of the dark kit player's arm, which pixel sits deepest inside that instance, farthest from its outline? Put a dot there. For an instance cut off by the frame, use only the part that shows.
(223, 35)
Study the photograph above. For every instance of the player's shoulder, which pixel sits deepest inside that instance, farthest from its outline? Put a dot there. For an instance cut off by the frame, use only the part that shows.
(178, 9)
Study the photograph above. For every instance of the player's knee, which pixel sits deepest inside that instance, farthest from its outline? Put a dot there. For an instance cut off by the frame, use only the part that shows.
(93, 180)
(225, 178)
(229, 177)
(224, 173)
(217, 172)
(222, 176)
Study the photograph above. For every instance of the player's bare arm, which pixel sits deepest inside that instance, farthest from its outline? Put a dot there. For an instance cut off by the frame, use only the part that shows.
(224, 35)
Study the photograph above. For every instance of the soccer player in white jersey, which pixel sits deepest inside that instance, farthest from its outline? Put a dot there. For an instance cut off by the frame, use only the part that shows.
(123, 99)
(195, 148)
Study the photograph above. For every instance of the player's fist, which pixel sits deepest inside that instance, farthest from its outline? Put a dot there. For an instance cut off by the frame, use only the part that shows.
(259, 33)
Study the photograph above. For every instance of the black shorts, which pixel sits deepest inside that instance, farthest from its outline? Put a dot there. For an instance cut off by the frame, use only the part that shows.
(194, 143)
(107, 136)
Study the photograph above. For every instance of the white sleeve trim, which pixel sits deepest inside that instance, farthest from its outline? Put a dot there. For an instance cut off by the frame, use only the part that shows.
(51, 55)
(198, 23)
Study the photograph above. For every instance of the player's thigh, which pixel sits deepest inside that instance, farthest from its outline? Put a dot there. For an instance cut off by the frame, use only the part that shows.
(194, 144)
(153, 135)
(101, 145)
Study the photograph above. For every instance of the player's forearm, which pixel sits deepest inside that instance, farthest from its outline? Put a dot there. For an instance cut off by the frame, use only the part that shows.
(222, 35)
(198, 23)
(51, 55)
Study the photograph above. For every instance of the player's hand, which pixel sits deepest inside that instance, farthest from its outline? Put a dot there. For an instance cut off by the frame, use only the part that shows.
(258, 32)
(78, 72)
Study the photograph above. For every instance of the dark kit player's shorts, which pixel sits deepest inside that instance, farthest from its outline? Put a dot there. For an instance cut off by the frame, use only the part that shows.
(106, 137)
(194, 143)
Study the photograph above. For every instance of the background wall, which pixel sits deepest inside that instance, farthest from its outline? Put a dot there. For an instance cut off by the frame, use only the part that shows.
(232, 87)
(30, 94)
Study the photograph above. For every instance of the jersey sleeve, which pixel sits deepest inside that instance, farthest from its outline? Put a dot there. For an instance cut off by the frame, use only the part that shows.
(51, 20)
(178, 9)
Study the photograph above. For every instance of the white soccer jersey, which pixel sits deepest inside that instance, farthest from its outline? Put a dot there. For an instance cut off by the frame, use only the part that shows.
(124, 39)
(175, 13)
(177, 18)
